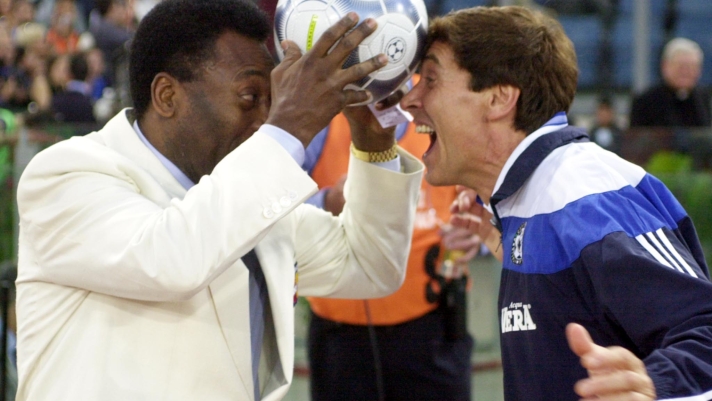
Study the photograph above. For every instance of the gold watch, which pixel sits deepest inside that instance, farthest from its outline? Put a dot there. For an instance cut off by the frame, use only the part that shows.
(375, 157)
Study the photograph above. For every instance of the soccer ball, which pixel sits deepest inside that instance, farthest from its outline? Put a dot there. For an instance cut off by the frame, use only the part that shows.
(400, 35)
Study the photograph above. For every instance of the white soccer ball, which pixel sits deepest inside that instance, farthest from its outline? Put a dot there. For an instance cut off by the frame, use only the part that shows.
(402, 27)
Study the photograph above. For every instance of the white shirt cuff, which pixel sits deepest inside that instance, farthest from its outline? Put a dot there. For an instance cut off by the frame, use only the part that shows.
(288, 141)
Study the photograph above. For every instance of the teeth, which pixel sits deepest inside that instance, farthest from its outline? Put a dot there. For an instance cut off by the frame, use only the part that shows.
(424, 129)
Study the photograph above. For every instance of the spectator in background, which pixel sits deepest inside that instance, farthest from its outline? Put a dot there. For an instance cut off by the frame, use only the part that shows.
(112, 24)
(22, 12)
(45, 11)
(26, 82)
(85, 8)
(605, 131)
(5, 7)
(8, 53)
(677, 101)
(31, 35)
(61, 36)
(7, 50)
(96, 77)
(58, 72)
(73, 105)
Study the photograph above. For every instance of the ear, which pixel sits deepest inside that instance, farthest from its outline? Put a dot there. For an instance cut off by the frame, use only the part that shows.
(164, 94)
(503, 101)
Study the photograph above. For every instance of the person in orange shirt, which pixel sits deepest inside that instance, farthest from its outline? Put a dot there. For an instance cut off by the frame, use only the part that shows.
(411, 345)
(61, 36)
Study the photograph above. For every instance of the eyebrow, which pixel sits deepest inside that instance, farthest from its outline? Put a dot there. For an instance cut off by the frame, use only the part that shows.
(432, 57)
(251, 73)
(248, 73)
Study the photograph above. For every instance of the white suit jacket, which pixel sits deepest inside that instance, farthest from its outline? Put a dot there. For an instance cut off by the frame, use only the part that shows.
(131, 288)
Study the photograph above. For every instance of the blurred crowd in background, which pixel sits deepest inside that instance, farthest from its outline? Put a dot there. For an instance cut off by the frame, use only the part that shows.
(66, 60)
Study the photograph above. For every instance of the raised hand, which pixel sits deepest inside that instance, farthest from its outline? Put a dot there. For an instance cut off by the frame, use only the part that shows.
(308, 91)
(468, 214)
(614, 373)
(366, 131)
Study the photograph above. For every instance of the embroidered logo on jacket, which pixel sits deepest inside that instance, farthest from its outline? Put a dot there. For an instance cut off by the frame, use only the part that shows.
(517, 245)
(516, 317)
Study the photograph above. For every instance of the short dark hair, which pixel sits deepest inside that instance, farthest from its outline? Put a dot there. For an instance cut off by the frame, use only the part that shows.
(178, 37)
(513, 46)
(78, 66)
(103, 6)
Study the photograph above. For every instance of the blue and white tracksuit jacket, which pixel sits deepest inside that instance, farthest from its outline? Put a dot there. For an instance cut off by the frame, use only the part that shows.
(591, 238)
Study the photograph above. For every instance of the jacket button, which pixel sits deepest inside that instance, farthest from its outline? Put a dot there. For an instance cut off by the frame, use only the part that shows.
(268, 213)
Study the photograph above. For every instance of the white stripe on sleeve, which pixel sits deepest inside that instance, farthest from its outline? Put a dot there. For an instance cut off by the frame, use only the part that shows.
(666, 255)
(672, 249)
(641, 239)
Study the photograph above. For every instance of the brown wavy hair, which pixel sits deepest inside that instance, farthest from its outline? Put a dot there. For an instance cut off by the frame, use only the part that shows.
(513, 46)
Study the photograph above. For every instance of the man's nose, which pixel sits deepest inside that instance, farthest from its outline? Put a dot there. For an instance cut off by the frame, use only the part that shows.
(411, 100)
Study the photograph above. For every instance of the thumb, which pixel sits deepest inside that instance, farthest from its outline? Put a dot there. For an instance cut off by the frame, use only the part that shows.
(579, 340)
(291, 50)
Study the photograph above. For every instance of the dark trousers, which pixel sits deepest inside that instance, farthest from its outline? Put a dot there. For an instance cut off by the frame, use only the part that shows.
(417, 363)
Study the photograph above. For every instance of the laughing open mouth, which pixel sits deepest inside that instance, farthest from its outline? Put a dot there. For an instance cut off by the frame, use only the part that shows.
(425, 129)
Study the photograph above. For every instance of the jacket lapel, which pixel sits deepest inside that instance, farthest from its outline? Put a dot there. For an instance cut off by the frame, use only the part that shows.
(129, 144)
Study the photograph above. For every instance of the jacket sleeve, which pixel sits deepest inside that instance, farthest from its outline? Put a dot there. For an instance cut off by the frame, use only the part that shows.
(654, 291)
(370, 246)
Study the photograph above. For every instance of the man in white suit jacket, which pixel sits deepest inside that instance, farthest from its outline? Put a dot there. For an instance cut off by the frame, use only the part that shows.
(131, 284)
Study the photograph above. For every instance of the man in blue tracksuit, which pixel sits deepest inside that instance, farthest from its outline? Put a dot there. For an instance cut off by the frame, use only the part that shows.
(605, 293)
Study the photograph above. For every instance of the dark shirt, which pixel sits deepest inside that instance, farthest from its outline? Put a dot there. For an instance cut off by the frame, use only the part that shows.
(21, 96)
(660, 107)
(72, 107)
